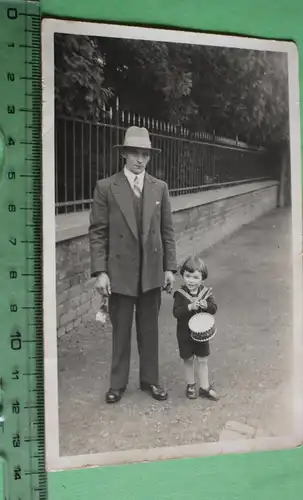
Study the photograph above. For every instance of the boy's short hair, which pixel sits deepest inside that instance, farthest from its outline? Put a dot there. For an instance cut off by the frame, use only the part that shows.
(192, 264)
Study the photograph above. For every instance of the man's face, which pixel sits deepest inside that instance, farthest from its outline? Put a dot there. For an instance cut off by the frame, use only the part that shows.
(136, 160)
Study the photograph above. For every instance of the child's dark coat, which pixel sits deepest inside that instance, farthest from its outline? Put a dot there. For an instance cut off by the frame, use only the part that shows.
(187, 346)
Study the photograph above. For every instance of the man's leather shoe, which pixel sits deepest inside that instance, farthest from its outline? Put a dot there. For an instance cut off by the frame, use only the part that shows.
(158, 393)
(114, 395)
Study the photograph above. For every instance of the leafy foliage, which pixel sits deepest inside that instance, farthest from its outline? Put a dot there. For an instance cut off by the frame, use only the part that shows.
(79, 68)
(235, 92)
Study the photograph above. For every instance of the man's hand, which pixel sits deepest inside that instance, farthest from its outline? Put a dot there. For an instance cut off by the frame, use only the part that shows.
(169, 281)
(103, 284)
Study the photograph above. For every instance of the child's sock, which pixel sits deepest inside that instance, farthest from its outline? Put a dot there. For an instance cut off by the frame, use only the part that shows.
(203, 372)
(189, 367)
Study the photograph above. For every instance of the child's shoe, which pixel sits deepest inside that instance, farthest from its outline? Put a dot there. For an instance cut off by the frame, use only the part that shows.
(208, 394)
(191, 391)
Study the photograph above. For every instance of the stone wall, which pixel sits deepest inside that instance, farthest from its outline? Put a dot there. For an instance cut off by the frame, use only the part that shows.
(199, 228)
(73, 283)
(200, 221)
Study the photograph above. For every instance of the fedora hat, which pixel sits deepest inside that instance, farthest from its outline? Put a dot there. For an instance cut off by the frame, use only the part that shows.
(137, 137)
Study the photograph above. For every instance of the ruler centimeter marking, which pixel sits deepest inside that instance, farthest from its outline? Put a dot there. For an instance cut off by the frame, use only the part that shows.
(21, 339)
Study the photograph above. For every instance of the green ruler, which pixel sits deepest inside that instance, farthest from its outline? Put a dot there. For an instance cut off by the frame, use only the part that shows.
(21, 340)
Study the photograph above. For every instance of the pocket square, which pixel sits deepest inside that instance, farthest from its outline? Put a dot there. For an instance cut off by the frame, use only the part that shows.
(157, 202)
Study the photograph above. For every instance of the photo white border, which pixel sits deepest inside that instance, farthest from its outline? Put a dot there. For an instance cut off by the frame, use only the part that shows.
(53, 459)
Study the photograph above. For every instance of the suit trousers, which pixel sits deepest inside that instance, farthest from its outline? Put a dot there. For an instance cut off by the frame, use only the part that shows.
(121, 312)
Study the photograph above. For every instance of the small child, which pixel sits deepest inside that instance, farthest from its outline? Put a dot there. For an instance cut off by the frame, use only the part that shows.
(194, 272)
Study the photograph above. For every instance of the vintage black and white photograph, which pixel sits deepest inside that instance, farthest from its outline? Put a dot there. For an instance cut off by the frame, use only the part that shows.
(172, 244)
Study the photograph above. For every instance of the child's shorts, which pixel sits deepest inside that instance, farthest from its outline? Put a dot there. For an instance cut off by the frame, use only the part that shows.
(188, 347)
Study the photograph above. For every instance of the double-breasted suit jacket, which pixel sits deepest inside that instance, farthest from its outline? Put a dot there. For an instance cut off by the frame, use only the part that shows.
(114, 235)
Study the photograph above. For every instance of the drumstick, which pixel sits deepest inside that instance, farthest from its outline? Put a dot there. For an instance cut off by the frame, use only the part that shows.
(208, 293)
(203, 293)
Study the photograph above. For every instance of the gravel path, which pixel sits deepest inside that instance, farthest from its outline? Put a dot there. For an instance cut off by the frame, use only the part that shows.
(251, 277)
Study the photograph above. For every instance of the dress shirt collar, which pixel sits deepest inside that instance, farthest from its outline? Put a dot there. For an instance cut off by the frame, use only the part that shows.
(131, 177)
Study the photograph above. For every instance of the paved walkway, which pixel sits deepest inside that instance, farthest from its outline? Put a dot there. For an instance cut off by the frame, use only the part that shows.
(251, 277)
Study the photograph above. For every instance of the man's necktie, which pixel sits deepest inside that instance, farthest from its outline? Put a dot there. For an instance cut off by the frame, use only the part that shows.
(136, 187)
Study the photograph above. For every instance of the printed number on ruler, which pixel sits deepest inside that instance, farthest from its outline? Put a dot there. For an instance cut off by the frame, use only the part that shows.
(21, 342)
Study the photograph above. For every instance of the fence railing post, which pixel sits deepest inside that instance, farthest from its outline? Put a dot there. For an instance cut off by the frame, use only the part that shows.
(117, 132)
(191, 161)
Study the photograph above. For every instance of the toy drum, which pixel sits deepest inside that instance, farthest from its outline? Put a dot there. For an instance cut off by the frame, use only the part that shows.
(202, 327)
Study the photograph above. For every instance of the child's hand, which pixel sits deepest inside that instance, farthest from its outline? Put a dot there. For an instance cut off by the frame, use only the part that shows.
(203, 304)
(194, 306)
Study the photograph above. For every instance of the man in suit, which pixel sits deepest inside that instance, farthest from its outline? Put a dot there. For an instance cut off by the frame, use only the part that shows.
(133, 256)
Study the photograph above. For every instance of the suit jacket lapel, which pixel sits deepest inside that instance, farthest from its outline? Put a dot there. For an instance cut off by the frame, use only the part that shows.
(122, 193)
(150, 197)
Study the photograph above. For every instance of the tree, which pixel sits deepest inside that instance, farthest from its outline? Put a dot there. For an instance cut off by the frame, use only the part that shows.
(233, 91)
(79, 68)
(244, 93)
(145, 77)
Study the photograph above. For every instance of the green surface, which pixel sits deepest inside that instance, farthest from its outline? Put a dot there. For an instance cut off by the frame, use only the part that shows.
(268, 476)
(21, 355)
(2, 152)
(262, 476)
(271, 475)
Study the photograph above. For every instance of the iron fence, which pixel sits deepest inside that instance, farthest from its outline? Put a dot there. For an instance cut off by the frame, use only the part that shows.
(189, 162)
